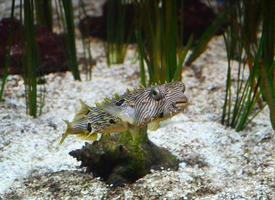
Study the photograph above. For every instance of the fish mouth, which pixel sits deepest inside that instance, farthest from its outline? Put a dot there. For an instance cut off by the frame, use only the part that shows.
(181, 104)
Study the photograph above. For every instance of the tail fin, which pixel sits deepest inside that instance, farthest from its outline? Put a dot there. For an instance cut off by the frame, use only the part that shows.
(67, 132)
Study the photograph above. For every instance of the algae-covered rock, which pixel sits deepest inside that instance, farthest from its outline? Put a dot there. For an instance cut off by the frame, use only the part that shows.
(125, 157)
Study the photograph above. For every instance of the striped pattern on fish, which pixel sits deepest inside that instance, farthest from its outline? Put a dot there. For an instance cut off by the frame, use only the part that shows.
(139, 107)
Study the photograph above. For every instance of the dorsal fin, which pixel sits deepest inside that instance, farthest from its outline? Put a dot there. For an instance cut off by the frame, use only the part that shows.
(84, 110)
(116, 96)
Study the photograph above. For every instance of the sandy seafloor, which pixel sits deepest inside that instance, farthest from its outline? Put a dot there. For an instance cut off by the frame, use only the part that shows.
(216, 162)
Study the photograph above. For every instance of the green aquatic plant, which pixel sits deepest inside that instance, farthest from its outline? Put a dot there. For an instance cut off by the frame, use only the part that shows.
(158, 42)
(70, 37)
(267, 62)
(89, 62)
(116, 38)
(34, 14)
(30, 63)
(43, 12)
(210, 32)
(247, 96)
(7, 52)
(60, 22)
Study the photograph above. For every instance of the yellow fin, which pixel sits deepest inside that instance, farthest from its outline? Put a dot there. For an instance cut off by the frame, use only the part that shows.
(67, 132)
(84, 110)
(92, 137)
(153, 126)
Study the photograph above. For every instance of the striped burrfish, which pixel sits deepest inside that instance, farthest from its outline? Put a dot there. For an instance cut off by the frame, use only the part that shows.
(141, 107)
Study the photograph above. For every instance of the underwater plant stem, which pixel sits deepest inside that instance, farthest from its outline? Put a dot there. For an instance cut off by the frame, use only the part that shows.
(141, 55)
(7, 53)
(159, 42)
(267, 65)
(227, 82)
(30, 58)
(255, 52)
(269, 94)
(70, 37)
(43, 11)
(116, 38)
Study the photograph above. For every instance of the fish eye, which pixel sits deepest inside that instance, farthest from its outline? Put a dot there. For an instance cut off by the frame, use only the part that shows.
(111, 121)
(155, 94)
(120, 102)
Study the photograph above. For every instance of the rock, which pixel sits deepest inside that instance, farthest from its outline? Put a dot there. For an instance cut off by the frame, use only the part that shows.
(120, 159)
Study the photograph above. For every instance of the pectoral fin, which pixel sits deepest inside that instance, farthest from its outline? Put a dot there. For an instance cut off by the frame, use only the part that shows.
(91, 137)
(125, 113)
(153, 126)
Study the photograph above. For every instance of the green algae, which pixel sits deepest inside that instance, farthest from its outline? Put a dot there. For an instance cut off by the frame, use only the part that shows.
(125, 157)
